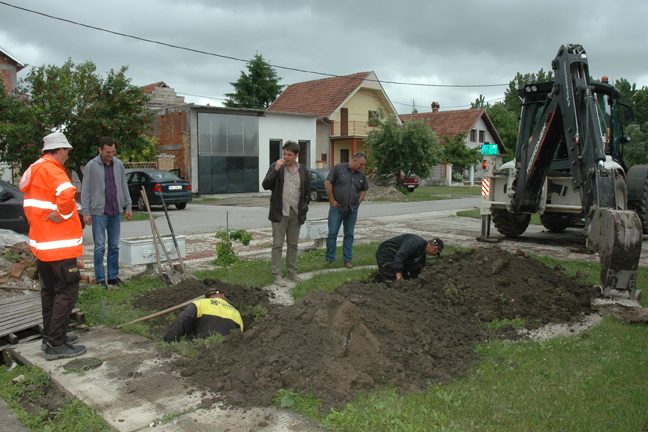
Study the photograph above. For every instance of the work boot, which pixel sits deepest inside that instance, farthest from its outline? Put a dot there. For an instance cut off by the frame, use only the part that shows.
(64, 351)
(279, 281)
(103, 284)
(71, 339)
(327, 262)
(294, 278)
(348, 264)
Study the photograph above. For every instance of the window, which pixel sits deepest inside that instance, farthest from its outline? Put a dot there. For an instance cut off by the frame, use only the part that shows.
(372, 114)
(304, 154)
(481, 136)
(473, 135)
(275, 150)
(344, 155)
(228, 135)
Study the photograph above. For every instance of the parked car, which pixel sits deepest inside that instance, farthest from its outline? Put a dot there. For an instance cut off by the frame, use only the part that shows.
(411, 183)
(318, 191)
(12, 214)
(158, 183)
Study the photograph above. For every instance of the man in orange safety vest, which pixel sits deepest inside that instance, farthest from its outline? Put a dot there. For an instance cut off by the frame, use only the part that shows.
(56, 239)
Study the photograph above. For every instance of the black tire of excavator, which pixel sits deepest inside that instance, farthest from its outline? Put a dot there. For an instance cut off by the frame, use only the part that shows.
(641, 207)
(556, 222)
(510, 224)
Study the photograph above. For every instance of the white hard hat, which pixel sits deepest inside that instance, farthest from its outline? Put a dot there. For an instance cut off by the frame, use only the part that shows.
(55, 141)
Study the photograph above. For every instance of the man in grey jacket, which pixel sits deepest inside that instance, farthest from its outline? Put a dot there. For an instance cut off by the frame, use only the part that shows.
(103, 198)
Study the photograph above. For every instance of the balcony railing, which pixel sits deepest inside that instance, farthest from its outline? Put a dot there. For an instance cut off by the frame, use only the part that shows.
(350, 128)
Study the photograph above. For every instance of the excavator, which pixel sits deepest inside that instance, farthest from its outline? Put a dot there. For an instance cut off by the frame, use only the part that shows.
(569, 169)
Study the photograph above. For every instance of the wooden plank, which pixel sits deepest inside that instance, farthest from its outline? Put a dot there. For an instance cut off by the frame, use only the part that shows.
(18, 308)
(8, 318)
(23, 326)
(20, 311)
(4, 329)
(30, 298)
(25, 323)
(22, 318)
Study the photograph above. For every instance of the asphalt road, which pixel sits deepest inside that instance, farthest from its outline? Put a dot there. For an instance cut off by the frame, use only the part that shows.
(203, 218)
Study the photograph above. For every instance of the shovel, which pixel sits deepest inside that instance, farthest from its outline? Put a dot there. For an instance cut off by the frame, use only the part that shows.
(170, 277)
(175, 242)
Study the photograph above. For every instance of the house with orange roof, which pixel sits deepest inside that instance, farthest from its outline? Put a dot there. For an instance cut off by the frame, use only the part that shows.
(475, 123)
(343, 106)
(9, 67)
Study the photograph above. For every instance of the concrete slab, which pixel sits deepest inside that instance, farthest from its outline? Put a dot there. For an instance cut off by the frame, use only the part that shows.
(136, 387)
(9, 421)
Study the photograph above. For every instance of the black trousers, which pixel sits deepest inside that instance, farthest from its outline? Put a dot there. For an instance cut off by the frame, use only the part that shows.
(388, 271)
(58, 295)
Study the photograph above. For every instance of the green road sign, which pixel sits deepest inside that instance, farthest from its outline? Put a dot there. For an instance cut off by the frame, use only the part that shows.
(489, 149)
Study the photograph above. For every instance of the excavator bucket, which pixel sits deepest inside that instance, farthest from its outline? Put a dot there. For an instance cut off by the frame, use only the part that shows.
(617, 236)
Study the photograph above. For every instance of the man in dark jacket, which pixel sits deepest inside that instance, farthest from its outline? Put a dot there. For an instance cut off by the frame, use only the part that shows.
(205, 317)
(291, 188)
(403, 257)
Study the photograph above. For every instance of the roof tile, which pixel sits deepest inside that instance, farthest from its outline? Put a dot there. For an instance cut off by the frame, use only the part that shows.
(321, 97)
(448, 123)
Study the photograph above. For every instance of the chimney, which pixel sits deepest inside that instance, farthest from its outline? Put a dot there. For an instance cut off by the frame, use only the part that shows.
(435, 107)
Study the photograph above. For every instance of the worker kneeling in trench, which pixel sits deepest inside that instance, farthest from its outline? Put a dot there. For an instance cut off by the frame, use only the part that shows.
(403, 256)
(205, 317)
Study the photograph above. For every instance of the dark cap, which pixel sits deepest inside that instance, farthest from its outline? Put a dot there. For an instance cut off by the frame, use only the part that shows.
(436, 241)
(211, 291)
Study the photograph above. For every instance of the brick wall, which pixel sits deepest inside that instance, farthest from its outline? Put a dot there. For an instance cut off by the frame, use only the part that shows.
(172, 132)
(5, 75)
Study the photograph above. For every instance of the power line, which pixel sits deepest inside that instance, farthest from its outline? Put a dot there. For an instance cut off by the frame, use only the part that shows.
(233, 58)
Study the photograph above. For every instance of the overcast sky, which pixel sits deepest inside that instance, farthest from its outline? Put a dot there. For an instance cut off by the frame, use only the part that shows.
(449, 43)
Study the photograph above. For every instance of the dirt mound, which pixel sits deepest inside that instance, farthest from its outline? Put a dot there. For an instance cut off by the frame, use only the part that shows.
(242, 298)
(385, 191)
(333, 344)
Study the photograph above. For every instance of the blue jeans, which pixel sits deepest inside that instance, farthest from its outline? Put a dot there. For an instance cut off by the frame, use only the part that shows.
(335, 219)
(101, 224)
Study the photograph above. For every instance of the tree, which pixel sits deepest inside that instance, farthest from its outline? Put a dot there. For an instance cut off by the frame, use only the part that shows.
(505, 115)
(75, 100)
(457, 152)
(411, 148)
(506, 123)
(257, 89)
(480, 103)
(636, 151)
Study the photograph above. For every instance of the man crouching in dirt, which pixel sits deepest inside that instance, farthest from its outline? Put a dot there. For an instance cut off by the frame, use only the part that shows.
(202, 318)
(403, 257)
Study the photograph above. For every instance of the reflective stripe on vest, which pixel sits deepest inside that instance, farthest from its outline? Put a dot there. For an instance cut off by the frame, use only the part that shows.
(57, 244)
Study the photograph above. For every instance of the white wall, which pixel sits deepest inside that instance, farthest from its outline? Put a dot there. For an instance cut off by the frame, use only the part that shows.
(479, 126)
(284, 127)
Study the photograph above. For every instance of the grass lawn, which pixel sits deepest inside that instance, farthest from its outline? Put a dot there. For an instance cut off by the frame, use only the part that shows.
(137, 216)
(73, 415)
(587, 382)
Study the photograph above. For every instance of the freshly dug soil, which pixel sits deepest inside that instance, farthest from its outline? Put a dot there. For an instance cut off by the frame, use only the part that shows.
(333, 344)
(49, 399)
(241, 297)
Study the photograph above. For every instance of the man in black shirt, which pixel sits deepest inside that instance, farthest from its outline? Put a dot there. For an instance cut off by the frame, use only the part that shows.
(346, 186)
(403, 257)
